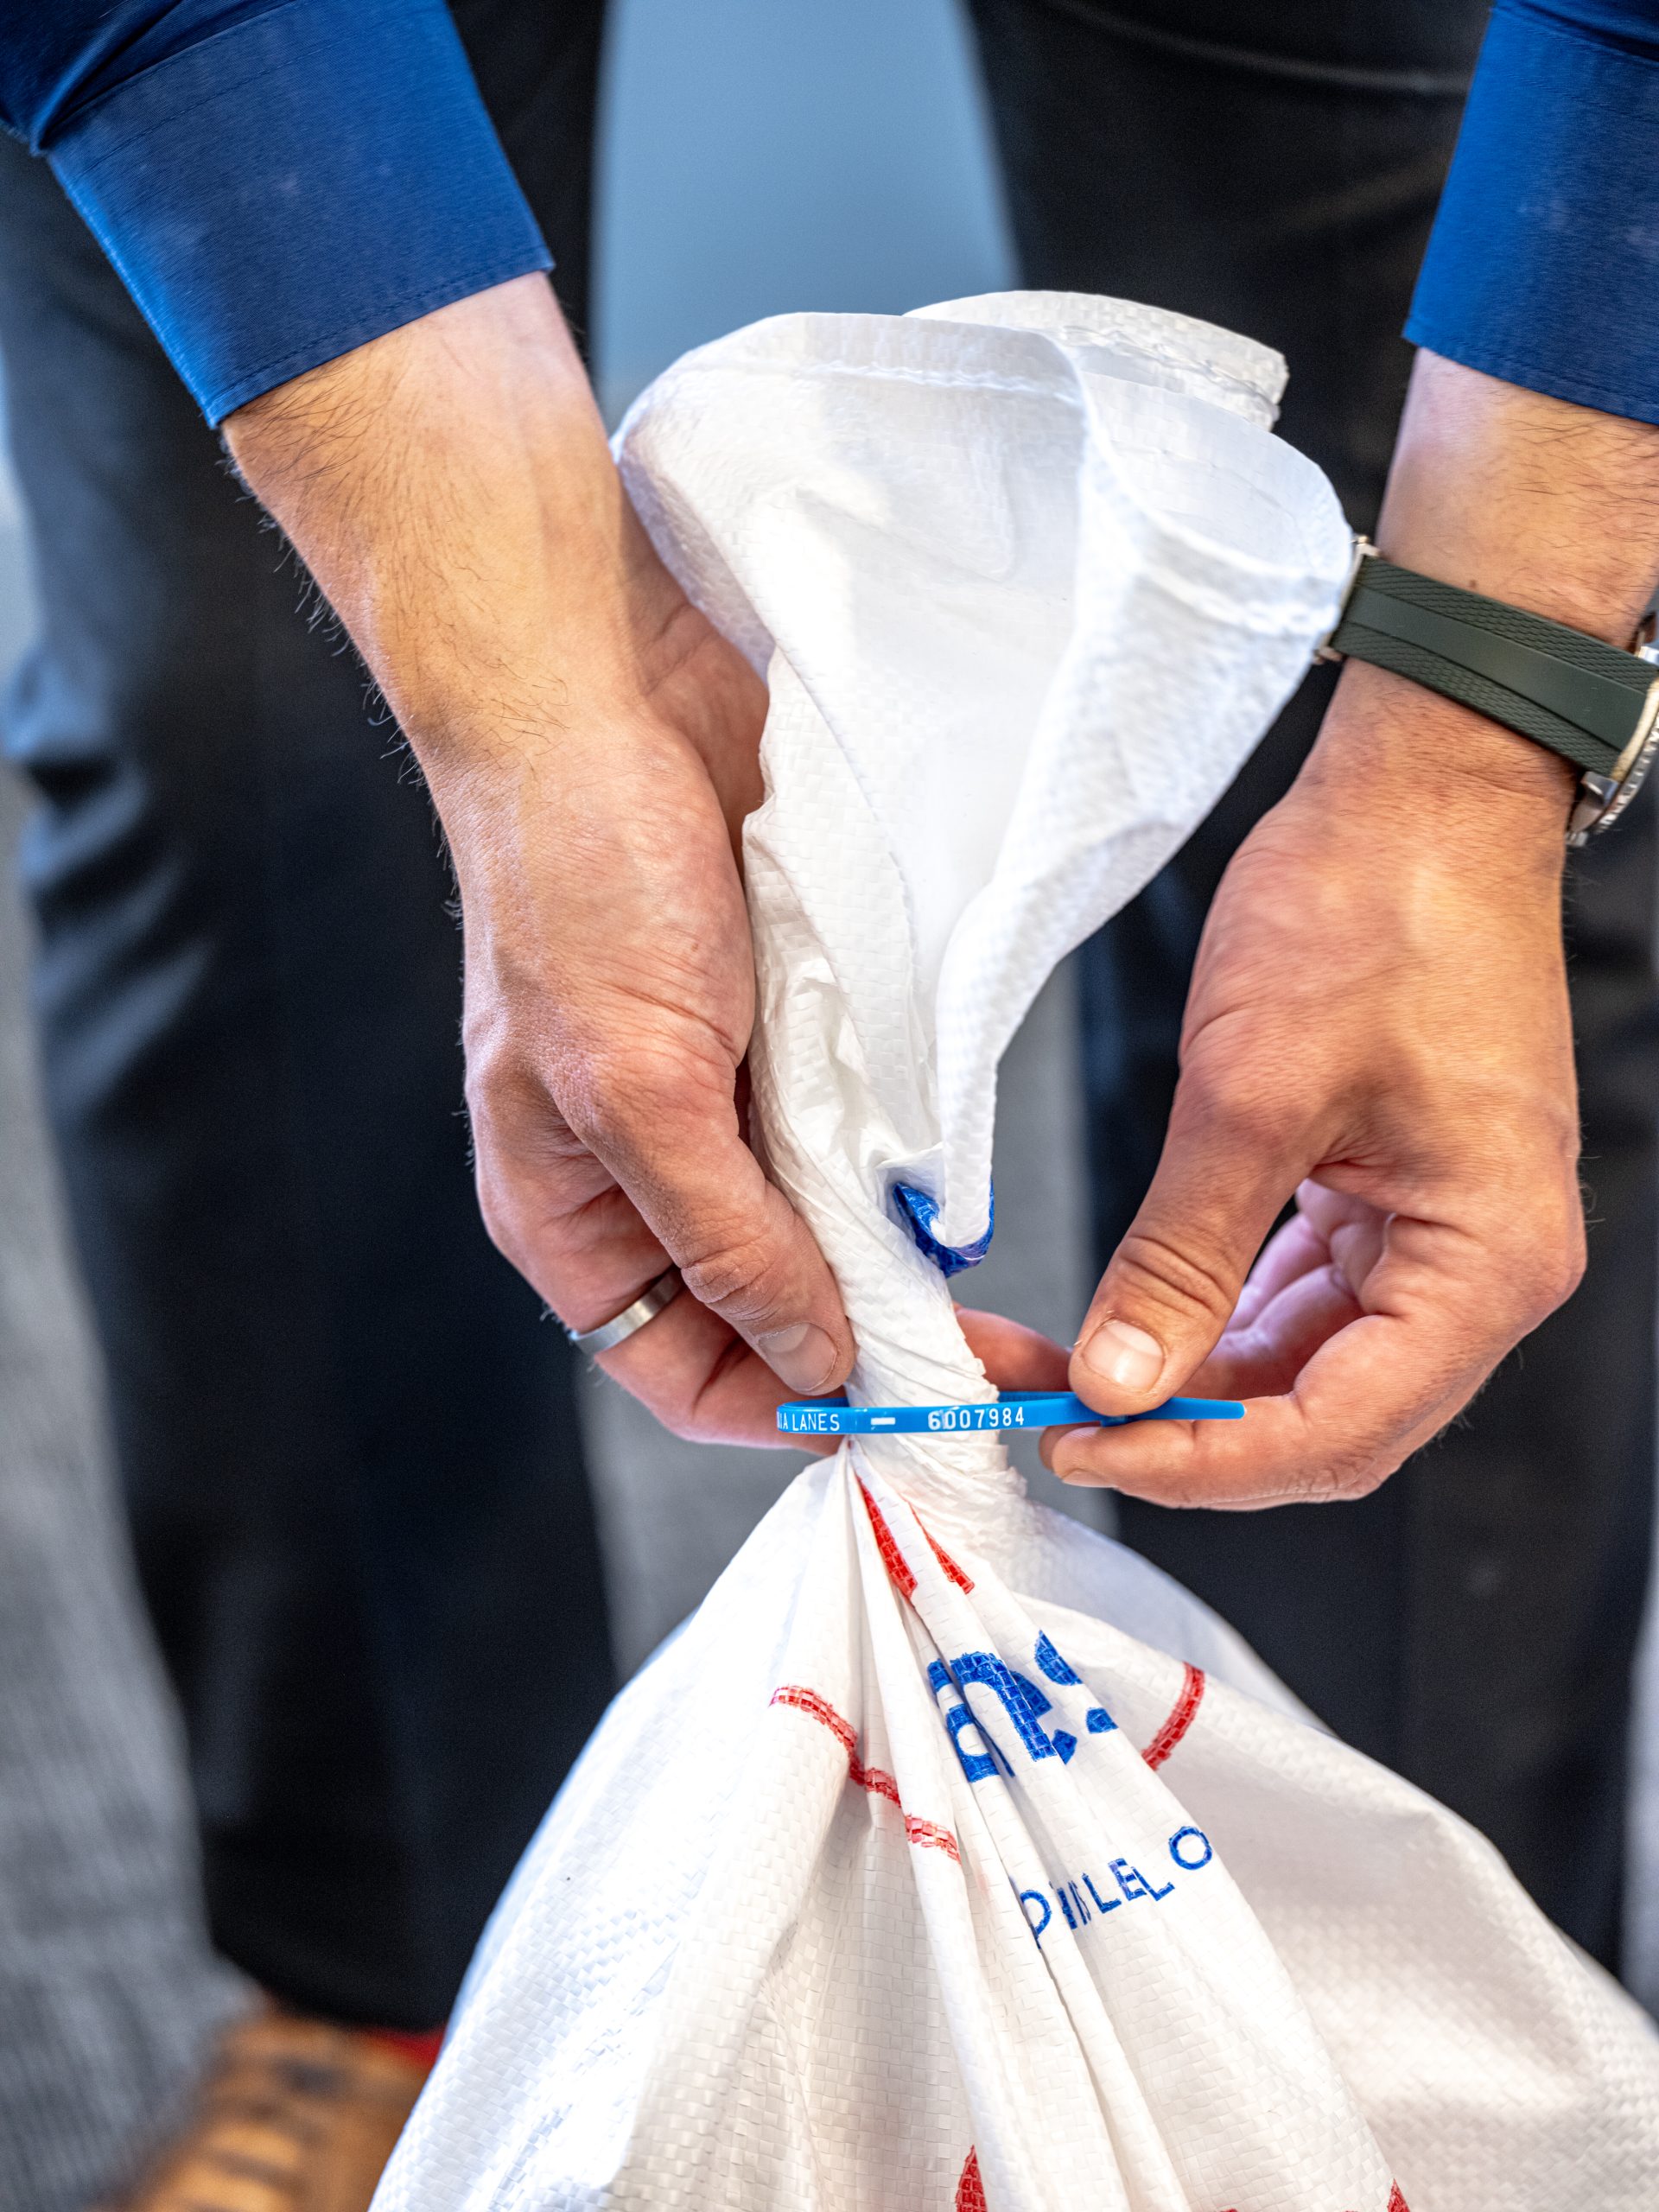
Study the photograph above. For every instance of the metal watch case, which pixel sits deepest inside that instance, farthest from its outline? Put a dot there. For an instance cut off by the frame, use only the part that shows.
(1602, 800)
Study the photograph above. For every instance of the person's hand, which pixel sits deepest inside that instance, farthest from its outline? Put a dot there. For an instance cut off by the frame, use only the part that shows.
(1378, 1023)
(591, 745)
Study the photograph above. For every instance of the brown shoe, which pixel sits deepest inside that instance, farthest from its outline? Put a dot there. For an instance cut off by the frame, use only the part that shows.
(295, 2115)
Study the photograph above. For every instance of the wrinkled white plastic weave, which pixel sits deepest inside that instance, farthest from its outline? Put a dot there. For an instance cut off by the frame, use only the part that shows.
(952, 1859)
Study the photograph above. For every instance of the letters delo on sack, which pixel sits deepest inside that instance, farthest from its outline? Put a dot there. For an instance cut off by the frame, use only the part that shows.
(952, 1859)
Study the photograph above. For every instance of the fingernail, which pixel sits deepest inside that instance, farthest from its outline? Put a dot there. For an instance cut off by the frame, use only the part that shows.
(1123, 1357)
(804, 1357)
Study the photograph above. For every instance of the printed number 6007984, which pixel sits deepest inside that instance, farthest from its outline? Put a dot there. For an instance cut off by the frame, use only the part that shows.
(949, 1417)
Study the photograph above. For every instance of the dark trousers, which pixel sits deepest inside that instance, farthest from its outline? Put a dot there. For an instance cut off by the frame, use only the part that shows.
(346, 1438)
(346, 1442)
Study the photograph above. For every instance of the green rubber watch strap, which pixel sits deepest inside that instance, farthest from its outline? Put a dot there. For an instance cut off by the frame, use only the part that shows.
(1581, 698)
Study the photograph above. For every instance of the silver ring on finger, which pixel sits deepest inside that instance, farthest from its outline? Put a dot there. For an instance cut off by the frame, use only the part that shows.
(616, 1331)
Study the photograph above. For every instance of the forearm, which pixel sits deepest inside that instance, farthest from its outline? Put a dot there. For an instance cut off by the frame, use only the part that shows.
(450, 489)
(1551, 506)
(592, 745)
(1526, 498)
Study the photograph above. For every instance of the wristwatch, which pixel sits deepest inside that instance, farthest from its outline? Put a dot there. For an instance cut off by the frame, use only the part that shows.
(1595, 704)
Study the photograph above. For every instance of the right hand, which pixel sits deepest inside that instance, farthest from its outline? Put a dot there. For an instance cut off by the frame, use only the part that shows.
(1378, 1021)
(591, 743)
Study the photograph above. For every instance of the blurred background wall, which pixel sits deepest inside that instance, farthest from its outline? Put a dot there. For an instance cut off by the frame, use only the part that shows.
(758, 158)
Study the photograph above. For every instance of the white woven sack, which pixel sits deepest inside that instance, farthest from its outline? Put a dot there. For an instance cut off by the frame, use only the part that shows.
(952, 1857)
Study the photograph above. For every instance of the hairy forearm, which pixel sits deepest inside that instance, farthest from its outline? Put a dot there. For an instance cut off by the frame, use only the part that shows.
(450, 488)
(1551, 506)
(1526, 498)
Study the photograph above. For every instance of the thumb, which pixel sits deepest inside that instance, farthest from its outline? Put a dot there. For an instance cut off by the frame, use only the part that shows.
(1175, 1279)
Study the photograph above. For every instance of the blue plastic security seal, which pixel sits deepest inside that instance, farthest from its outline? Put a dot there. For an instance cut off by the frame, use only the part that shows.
(919, 1213)
(1015, 1409)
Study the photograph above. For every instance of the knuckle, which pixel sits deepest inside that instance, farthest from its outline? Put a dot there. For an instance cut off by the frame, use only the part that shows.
(533, 1186)
(1174, 1277)
(1344, 1477)
(1546, 1262)
(609, 1100)
(1557, 1281)
(1327, 1469)
(517, 1132)
(502, 1216)
(493, 1082)
(1244, 1113)
(1571, 1257)
(743, 1277)
(1357, 1477)
(624, 1100)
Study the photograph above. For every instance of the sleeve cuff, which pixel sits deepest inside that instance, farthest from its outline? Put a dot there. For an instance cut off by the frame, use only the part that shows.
(1543, 267)
(296, 185)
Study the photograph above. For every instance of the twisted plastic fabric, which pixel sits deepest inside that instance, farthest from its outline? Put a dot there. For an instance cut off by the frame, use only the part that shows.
(952, 1860)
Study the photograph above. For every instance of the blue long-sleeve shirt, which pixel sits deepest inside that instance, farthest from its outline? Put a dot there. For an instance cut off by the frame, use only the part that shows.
(279, 181)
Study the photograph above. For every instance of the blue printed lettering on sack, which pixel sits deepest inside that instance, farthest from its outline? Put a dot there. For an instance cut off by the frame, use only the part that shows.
(1021, 1699)
(1189, 1850)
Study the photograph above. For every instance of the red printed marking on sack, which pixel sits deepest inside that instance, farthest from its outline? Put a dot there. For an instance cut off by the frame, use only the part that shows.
(878, 1783)
(1179, 1721)
(891, 1558)
(962, 1581)
(894, 1560)
(821, 1709)
(970, 2189)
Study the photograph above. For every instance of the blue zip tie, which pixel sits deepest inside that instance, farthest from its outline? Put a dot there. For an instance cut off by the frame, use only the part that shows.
(919, 1212)
(1014, 1409)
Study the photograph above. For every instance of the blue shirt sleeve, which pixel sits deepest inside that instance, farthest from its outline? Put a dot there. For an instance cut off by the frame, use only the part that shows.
(1543, 267)
(275, 181)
